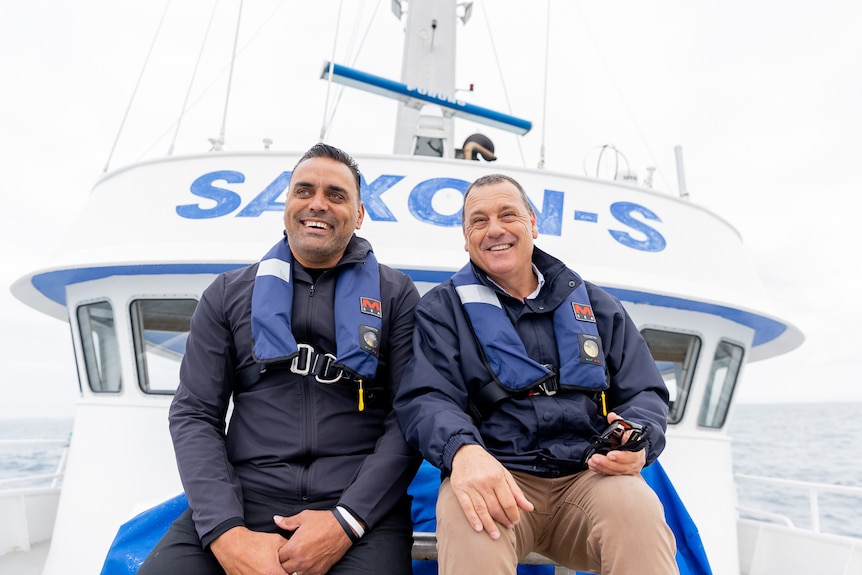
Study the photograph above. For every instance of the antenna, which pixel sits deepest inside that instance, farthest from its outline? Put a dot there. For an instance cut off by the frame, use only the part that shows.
(135, 91)
(217, 143)
(680, 173)
(328, 71)
(541, 164)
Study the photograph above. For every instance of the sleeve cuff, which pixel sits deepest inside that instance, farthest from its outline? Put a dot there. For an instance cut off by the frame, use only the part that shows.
(452, 446)
(225, 525)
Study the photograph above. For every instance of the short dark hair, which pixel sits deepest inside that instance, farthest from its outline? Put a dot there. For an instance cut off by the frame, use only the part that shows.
(492, 179)
(322, 150)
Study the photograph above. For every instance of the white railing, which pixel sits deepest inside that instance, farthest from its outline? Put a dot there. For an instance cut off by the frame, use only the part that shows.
(56, 477)
(28, 504)
(814, 490)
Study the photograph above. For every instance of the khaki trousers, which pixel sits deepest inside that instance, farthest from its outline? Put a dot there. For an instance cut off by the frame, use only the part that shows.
(613, 525)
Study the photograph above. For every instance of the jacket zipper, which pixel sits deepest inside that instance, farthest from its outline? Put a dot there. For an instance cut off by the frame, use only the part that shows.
(308, 403)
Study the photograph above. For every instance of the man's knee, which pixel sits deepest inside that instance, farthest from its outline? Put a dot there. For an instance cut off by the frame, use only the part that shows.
(179, 552)
(625, 496)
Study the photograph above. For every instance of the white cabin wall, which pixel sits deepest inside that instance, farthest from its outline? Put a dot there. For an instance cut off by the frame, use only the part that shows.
(129, 429)
(698, 460)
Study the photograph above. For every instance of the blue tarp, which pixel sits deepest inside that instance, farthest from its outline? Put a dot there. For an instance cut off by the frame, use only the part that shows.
(136, 537)
(690, 554)
(139, 535)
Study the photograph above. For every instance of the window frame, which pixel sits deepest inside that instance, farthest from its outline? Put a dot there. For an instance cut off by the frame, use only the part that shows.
(141, 348)
(721, 406)
(96, 355)
(689, 365)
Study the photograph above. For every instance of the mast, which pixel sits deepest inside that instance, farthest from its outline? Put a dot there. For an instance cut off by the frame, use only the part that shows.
(428, 63)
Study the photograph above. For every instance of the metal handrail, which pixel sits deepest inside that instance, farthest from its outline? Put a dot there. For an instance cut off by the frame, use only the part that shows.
(31, 478)
(813, 489)
(776, 517)
(59, 471)
(32, 442)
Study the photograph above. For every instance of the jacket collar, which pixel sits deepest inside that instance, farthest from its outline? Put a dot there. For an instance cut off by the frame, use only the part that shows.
(559, 280)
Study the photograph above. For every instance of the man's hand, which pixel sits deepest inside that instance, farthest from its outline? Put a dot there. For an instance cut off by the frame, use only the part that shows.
(618, 462)
(241, 551)
(318, 542)
(486, 490)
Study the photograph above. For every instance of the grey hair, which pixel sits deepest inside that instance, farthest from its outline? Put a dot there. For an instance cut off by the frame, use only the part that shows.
(490, 180)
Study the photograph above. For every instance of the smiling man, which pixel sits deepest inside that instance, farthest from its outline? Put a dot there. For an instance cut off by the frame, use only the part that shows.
(518, 365)
(310, 476)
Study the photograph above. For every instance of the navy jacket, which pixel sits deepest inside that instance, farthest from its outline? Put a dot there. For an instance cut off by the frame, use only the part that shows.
(544, 435)
(290, 437)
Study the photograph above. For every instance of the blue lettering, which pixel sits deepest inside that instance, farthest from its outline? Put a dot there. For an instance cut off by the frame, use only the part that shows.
(374, 206)
(266, 200)
(436, 96)
(586, 216)
(226, 200)
(622, 212)
(550, 219)
(549, 216)
(422, 196)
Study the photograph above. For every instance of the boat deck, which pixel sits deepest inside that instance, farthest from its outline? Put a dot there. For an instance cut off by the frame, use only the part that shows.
(25, 562)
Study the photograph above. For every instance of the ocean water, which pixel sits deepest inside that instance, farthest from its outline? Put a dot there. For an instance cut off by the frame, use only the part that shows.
(22, 461)
(807, 442)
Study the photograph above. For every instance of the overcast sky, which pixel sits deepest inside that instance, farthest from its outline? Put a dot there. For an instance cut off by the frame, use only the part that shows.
(764, 98)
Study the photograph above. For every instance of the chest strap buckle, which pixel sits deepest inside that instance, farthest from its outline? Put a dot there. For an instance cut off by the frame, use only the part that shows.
(322, 369)
(302, 363)
(551, 385)
(311, 362)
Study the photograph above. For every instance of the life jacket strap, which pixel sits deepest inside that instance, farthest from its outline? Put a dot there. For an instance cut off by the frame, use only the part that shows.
(311, 362)
(307, 361)
(492, 393)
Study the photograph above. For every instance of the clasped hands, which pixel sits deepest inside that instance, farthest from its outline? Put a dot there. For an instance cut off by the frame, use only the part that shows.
(318, 542)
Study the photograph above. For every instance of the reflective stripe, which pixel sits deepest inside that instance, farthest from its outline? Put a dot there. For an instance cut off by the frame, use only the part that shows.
(274, 267)
(474, 293)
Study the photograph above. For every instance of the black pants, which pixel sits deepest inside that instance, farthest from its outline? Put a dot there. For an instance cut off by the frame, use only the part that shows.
(384, 549)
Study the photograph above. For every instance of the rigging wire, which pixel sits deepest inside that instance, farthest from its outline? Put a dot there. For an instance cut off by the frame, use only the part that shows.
(500, 72)
(215, 79)
(545, 88)
(192, 80)
(329, 73)
(217, 144)
(137, 85)
(620, 94)
(353, 60)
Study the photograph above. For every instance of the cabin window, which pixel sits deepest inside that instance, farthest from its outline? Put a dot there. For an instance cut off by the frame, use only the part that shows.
(722, 380)
(160, 328)
(101, 351)
(675, 355)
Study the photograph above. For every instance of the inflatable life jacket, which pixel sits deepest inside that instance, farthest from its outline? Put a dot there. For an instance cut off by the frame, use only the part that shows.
(358, 322)
(513, 373)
